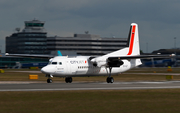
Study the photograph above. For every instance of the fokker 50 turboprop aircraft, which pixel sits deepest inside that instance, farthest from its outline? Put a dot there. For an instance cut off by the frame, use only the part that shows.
(110, 64)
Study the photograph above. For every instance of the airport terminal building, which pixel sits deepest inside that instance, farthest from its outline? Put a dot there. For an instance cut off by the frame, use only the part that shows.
(86, 44)
(33, 39)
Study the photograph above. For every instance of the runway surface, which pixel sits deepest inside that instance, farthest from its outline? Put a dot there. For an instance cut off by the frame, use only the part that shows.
(123, 73)
(30, 86)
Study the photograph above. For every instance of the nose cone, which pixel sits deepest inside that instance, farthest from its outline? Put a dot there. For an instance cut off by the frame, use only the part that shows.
(47, 70)
(43, 70)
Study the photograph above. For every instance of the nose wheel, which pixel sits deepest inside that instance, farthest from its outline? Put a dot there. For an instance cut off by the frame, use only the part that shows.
(49, 80)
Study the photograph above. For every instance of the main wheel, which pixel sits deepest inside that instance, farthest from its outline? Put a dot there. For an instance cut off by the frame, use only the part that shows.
(109, 80)
(68, 79)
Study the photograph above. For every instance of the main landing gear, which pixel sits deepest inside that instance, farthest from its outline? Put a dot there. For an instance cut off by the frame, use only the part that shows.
(68, 79)
(109, 78)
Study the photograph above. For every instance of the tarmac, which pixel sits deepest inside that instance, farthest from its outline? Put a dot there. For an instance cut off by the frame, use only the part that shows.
(42, 86)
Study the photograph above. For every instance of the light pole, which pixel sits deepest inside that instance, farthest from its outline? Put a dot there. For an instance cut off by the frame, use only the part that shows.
(175, 49)
(147, 47)
(175, 45)
(0, 48)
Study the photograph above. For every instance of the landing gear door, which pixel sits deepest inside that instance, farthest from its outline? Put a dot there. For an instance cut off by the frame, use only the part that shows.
(73, 69)
(68, 69)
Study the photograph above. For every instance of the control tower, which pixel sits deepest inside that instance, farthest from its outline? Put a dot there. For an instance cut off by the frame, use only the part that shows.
(31, 40)
(34, 26)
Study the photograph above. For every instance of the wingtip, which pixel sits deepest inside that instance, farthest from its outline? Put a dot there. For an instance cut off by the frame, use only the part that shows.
(173, 55)
(7, 54)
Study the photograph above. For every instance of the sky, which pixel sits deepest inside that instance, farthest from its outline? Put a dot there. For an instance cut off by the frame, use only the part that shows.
(158, 20)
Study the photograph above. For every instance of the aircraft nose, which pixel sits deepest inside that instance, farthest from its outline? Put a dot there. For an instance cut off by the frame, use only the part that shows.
(44, 70)
(48, 70)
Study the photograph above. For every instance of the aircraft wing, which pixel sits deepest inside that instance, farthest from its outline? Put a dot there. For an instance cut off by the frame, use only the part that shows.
(35, 55)
(30, 55)
(138, 57)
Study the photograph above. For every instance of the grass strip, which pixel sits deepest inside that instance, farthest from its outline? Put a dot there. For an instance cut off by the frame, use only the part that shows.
(115, 101)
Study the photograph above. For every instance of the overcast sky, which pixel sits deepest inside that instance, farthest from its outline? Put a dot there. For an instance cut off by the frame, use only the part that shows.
(158, 20)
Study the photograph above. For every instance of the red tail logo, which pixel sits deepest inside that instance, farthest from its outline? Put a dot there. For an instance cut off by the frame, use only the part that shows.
(132, 40)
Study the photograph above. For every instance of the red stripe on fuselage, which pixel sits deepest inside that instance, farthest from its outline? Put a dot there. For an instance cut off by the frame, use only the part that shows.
(132, 40)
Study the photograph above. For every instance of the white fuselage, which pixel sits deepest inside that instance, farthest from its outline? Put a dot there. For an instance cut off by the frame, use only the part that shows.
(80, 66)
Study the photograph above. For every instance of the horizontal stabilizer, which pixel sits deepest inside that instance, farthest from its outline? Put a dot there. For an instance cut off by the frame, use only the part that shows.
(139, 57)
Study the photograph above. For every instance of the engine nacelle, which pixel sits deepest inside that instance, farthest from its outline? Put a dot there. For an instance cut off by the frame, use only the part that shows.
(102, 61)
(99, 62)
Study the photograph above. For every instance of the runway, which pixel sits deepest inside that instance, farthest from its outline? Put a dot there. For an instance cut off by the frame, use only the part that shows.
(29, 86)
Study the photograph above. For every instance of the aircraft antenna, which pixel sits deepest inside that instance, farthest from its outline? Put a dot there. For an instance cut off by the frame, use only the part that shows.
(18, 29)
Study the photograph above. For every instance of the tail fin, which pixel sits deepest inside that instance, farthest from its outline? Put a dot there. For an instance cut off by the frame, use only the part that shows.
(59, 53)
(132, 44)
(133, 40)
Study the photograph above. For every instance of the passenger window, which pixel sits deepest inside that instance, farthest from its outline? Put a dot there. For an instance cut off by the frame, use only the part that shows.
(60, 63)
(54, 63)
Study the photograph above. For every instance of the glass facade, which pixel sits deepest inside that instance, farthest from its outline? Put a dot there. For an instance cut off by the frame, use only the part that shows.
(9, 62)
(86, 45)
(34, 24)
(27, 43)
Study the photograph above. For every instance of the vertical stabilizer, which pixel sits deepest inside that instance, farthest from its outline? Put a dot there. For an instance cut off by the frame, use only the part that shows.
(132, 47)
(133, 40)
(59, 53)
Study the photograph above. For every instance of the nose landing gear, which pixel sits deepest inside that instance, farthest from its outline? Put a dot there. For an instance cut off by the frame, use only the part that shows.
(49, 80)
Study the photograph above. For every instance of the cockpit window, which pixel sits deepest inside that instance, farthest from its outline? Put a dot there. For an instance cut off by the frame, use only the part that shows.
(60, 63)
(49, 62)
(54, 63)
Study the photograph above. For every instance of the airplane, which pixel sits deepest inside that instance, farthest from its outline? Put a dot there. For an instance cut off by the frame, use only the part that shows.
(110, 64)
(107, 65)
